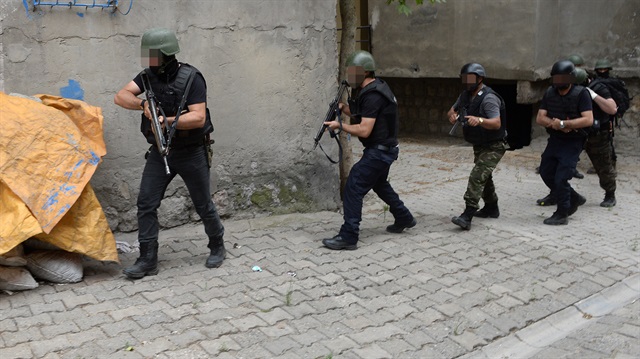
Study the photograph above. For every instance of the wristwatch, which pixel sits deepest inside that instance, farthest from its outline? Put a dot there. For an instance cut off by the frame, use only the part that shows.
(142, 104)
(481, 120)
(561, 124)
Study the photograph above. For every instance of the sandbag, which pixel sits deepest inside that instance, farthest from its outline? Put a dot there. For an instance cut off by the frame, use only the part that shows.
(16, 278)
(56, 266)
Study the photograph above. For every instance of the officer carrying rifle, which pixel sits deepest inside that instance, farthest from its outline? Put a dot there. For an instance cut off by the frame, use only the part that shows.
(176, 121)
(483, 115)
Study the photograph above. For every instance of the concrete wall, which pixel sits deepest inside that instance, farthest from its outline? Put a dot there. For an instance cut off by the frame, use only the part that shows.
(513, 39)
(271, 70)
(517, 41)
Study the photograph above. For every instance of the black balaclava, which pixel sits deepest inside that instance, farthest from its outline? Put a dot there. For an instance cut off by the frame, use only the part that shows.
(168, 68)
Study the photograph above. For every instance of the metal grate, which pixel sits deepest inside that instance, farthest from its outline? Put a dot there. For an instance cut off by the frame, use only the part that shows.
(88, 4)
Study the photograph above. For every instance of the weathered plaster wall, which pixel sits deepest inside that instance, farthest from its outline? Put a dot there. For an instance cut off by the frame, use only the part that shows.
(513, 39)
(271, 70)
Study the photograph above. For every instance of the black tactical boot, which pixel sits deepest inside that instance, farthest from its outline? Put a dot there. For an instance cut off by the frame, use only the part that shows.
(146, 264)
(217, 253)
(464, 220)
(577, 174)
(609, 200)
(490, 210)
(577, 200)
(557, 218)
(339, 243)
(398, 228)
(549, 200)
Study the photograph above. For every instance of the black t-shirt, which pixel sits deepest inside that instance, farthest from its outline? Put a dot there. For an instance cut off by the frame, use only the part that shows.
(372, 104)
(197, 92)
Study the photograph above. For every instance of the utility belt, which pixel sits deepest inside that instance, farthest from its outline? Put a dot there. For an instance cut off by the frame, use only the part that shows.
(383, 147)
(178, 145)
(601, 133)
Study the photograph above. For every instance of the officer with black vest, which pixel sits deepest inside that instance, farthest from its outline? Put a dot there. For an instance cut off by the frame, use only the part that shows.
(483, 113)
(374, 119)
(565, 112)
(169, 80)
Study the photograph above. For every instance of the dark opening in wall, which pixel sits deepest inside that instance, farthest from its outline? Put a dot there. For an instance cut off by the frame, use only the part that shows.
(519, 117)
(424, 102)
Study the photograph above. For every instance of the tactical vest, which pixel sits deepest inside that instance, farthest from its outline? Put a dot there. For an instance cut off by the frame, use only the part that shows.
(168, 95)
(565, 108)
(477, 135)
(598, 114)
(385, 129)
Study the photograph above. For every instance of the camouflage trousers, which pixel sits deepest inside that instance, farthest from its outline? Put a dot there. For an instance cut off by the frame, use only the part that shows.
(485, 158)
(600, 151)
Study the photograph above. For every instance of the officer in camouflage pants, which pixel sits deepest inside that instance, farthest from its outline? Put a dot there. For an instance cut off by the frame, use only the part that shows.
(599, 146)
(485, 128)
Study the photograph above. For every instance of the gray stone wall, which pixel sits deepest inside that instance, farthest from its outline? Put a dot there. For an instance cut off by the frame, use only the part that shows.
(271, 70)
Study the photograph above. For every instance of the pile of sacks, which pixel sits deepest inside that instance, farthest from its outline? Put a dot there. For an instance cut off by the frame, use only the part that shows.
(36, 260)
(50, 216)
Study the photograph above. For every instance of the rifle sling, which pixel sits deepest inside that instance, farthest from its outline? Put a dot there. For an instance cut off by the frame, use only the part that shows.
(172, 129)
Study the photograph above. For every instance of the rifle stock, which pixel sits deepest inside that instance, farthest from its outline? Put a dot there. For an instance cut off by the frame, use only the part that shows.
(159, 132)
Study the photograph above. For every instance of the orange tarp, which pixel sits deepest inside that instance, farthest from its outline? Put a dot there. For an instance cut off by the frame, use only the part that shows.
(48, 153)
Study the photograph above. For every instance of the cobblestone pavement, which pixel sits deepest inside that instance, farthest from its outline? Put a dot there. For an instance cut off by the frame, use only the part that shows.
(508, 288)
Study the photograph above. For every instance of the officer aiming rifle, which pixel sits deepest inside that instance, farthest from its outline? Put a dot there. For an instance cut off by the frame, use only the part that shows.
(332, 113)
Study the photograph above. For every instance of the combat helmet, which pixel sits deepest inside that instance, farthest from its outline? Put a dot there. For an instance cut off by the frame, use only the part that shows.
(563, 67)
(603, 64)
(581, 76)
(362, 58)
(473, 68)
(576, 59)
(160, 39)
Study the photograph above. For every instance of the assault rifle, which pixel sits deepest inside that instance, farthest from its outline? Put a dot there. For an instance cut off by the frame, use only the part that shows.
(332, 113)
(462, 113)
(162, 133)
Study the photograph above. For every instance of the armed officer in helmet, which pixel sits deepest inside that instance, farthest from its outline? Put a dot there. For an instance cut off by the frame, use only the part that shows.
(483, 114)
(565, 112)
(374, 119)
(169, 80)
(599, 146)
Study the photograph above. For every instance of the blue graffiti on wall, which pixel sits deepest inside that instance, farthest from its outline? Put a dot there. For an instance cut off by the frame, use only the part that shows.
(72, 91)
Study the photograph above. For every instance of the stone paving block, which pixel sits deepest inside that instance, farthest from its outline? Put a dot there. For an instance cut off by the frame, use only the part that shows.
(51, 345)
(247, 322)
(274, 316)
(316, 351)
(308, 337)
(58, 329)
(21, 336)
(467, 339)
(186, 338)
(34, 321)
(448, 349)
(20, 351)
(121, 326)
(372, 351)
(39, 308)
(154, 347)
(374, 334)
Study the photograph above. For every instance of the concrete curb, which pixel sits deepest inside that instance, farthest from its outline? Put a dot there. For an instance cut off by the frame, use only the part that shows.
(528, 341)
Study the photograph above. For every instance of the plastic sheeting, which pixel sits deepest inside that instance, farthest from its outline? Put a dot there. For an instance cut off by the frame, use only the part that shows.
(48, 153)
